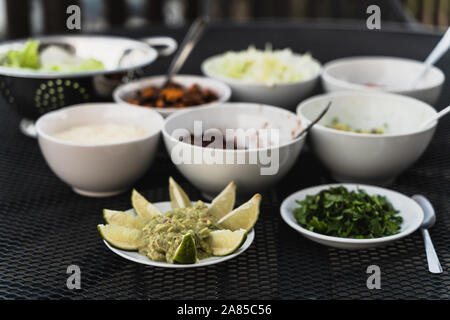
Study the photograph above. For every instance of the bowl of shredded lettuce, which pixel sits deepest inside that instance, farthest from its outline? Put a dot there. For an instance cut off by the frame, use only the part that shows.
(277, 77)
(51, 59)
(47, 73)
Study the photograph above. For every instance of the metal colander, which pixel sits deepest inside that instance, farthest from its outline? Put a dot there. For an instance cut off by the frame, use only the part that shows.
(32, 93)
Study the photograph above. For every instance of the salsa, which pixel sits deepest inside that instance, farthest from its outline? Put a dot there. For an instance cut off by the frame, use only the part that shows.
(163, 234)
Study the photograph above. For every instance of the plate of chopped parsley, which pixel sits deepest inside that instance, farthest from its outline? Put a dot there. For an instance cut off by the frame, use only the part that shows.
(351, 216)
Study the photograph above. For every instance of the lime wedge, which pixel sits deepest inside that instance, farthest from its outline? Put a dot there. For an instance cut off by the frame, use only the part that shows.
(121, 237)
(225, 242)
(243, 217)
(224, 202)
(124, 219)
(186, 251)
(178, 197)
(143, 207)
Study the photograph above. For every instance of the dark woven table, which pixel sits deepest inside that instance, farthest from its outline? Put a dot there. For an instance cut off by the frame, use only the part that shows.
(45, 227)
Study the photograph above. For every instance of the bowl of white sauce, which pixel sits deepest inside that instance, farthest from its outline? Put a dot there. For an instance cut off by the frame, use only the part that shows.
(99, 149)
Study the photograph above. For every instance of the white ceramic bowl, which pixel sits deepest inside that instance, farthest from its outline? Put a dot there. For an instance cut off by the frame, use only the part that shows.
(102, 169)
(246, 167)
(391, 74)
(286, 95)
(368, 158)
(129, 90)
(410, 211)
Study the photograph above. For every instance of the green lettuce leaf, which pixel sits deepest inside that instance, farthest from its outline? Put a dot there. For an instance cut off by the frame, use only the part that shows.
(28, 57)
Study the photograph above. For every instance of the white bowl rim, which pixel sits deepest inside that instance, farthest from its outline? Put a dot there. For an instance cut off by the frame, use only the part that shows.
(131, 86)
(350, 85)
(256, 84)
(284, 214)
(43, 134)
(239, 105)
(330, 95)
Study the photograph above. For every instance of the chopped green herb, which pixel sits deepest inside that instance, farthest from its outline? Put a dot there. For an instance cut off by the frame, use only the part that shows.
(342, 213)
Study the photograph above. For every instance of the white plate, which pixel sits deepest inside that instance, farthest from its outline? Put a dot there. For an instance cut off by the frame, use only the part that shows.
(410, 211)
(139, 258)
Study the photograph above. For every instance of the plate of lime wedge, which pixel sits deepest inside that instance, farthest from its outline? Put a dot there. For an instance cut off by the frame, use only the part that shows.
(181, 233)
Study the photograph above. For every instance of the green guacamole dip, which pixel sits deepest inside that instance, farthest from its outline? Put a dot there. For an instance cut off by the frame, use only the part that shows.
(163, 234)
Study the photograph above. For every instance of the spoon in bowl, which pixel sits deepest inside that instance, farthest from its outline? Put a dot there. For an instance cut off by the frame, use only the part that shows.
(439, 50)
(437, 116)
(190, 40)
(429, 218)
(315, 121)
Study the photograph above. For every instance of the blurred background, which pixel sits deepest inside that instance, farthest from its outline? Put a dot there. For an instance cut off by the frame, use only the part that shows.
(23, 18)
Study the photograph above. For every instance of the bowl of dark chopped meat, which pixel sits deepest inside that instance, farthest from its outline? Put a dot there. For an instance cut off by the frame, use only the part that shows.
(202, 140)
(252, 144)
(184, 91)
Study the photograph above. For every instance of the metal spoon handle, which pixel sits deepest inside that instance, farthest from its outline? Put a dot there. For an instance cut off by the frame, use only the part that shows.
(434, 266)
(438, 51)
(315, 121)
(437, 116)
(189, 42)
